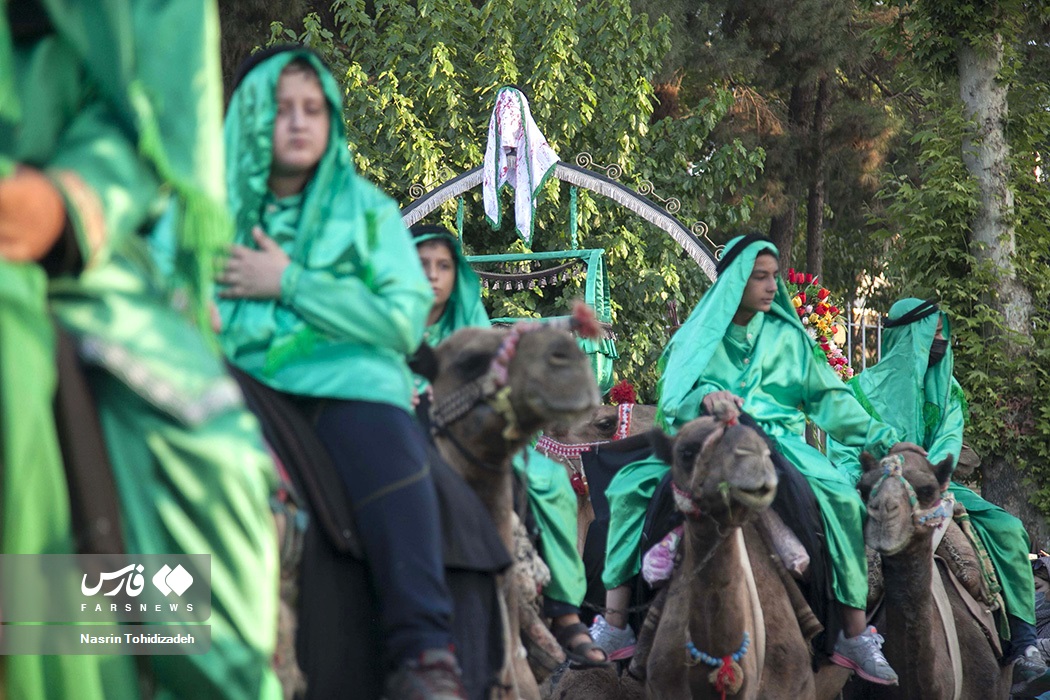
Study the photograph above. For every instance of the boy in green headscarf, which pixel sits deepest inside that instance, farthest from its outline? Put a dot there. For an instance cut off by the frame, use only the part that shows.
(744, 343)
(324, 299)
(457, 304)
(913, 388)
(105, 140)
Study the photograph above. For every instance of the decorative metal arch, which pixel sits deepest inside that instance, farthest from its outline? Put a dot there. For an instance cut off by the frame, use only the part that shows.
(660, 215)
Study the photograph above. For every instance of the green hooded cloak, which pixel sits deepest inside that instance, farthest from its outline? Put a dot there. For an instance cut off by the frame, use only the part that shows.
(927, 406)
(783, 378)
(464, 308)
(354, 299)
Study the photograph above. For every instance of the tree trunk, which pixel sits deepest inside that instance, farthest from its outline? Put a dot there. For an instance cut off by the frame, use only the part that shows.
(782, 227)
(815, 167)
(986, 154)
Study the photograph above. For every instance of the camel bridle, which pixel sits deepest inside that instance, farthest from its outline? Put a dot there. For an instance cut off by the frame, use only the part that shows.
(491, 387)
(550, 446)
(685, 501)
(893, 468)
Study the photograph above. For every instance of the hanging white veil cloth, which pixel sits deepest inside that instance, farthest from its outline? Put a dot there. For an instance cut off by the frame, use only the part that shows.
(512, 130)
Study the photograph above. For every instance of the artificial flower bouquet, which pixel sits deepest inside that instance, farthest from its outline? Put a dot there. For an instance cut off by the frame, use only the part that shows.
(820, 316)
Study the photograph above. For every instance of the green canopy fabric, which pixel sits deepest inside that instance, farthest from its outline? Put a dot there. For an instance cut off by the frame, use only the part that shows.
(602, 351)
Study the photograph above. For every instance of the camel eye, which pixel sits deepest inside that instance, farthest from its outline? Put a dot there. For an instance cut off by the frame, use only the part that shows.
(687, 455)
(473, 364)
(606, 424)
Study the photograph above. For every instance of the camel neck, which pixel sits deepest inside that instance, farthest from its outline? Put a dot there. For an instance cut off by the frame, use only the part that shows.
(918, 653)
(719, 602)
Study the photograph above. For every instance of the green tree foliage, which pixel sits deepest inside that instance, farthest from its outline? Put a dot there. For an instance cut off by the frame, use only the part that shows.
(929, 203)
(420, 83)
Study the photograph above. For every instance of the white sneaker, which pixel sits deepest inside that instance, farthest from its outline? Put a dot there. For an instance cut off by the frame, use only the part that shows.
(863, 654)
(617, 643)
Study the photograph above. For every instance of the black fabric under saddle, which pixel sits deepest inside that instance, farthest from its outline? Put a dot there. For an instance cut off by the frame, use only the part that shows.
(795, 503)
(339, 640)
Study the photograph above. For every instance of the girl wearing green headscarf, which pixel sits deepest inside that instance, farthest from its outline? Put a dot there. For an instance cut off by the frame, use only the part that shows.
(97, 137)
(457, 304)
(913, 388)
(744, 342)
(323, 299)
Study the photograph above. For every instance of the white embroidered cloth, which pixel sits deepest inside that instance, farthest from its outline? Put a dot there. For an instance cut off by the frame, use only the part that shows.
(512, 130)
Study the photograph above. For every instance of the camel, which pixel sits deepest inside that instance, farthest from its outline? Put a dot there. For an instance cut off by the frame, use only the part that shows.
(904, 503)
(493, 390)
(604, 424)
(726, 583)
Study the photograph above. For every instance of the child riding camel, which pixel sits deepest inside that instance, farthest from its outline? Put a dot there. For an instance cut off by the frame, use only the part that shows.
(744, 343)
(457, 304)
(324, 299)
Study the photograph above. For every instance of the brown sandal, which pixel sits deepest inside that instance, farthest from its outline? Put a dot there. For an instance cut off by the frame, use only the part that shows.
(577, 655)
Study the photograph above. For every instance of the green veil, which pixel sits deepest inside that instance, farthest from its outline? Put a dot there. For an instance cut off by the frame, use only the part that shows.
(464, 308)
(905, 358)
(248, 133)
(687, 355)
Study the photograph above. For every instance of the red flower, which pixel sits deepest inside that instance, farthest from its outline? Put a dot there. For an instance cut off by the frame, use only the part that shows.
(823, 294)
(825, 347)
(791, 275)
(820, 309)
(834, 311)
(623, 393)
(809, 278)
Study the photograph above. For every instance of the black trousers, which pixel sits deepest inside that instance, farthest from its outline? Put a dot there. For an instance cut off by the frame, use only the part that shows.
(380, 455)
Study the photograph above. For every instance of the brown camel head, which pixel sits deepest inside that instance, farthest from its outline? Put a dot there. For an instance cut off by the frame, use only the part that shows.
(903, 495)
(602, 424)
(547, 378)
(719, 470)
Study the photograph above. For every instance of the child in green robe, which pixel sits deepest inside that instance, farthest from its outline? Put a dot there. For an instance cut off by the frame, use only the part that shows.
(457, 304)
(913, 388)
(323, 299)
(744, 343)
(98, 136)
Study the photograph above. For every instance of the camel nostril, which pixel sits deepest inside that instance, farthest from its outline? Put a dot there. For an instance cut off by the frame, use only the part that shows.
(559, 358)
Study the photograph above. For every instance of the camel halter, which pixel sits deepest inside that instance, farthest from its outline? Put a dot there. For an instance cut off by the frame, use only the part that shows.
(684, 499)
(893, 468)
(550, 446)
(573, 451)
(491, 388)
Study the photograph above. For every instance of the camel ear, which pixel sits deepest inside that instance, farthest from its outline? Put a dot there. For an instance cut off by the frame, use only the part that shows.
(943, 470)
(424, 362)
(868, 461)
(663, 445)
